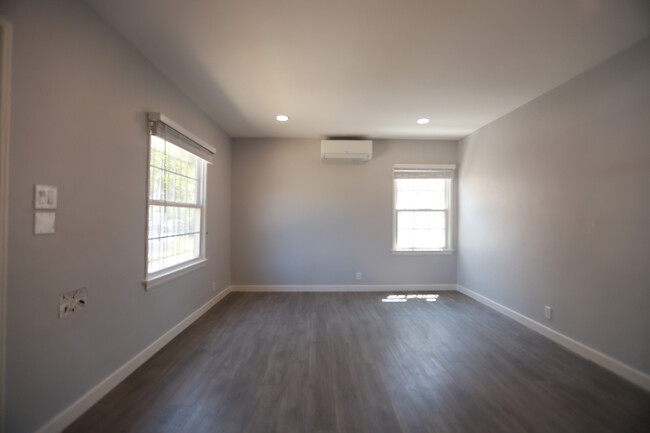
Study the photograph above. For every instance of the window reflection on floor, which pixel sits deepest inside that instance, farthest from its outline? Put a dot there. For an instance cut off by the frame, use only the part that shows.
(404, 298)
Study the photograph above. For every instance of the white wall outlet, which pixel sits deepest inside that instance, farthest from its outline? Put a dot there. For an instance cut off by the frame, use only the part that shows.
(358, 276)
(44, 223)
(214, 286)
(72, 301)
(548, 312)
(45, 197)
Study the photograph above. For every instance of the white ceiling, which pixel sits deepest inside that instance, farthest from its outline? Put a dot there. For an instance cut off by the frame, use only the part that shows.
(372, 67)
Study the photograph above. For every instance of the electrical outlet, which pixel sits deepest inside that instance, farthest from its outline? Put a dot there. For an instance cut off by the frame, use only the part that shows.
(358, 276)
(214, 286)
(72, 302)
(548, 313)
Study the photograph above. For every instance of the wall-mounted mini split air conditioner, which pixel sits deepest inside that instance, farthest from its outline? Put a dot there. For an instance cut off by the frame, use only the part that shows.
(346, 150)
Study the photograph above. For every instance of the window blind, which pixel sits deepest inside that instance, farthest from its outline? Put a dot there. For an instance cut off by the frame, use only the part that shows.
(166, 132)
(423, 173)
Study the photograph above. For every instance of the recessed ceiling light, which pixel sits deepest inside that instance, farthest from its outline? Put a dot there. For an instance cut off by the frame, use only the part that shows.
(281, 118)
(423, 121)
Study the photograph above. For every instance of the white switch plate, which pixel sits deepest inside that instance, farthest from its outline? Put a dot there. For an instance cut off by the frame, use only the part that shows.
(45, 197)
(44, 223)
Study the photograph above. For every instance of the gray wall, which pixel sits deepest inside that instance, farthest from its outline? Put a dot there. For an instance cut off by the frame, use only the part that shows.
(80, 94)
(298, 220)
(555, 208)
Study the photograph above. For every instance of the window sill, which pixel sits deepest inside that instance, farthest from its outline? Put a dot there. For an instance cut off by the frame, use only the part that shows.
(172, 274)
(422, 252)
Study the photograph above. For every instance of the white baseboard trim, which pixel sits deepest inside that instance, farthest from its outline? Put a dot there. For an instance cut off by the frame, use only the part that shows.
(617, 367)
(349, 288)
(76, 409)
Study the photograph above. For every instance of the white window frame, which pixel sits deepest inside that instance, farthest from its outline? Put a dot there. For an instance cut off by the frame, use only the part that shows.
(157, 278)
(449, 250)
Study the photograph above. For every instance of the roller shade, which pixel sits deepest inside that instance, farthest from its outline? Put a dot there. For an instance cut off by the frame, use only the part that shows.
(423, 173)
(167, 130)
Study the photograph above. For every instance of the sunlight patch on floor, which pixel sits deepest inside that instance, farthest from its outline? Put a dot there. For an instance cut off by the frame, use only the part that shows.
(404, 298)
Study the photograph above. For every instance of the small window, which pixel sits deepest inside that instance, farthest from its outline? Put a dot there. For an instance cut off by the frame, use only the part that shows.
(422, 219)
(176, 204)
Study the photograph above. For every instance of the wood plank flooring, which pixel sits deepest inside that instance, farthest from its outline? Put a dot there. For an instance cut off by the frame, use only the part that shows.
(350, 363)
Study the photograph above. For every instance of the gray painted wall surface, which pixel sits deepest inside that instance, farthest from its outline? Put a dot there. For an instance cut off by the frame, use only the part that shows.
(298, 220)
(80, 97)
(555, 208)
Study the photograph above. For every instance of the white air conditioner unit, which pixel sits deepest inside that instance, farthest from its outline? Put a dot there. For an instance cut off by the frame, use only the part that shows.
(350, 150)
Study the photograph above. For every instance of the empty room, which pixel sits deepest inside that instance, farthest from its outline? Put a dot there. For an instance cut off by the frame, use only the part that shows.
(357, 216)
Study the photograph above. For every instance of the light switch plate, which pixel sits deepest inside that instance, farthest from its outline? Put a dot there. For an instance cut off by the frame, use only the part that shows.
(45, 197)
(44, 223)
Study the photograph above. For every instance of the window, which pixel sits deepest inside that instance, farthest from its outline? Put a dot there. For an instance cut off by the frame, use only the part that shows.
(422, 217)
(176, 203)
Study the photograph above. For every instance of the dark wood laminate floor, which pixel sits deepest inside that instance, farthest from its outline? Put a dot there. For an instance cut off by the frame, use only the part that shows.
(350, 363)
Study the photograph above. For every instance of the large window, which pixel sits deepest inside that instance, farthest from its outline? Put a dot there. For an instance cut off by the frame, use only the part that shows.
(176, 203)
(422, 208)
